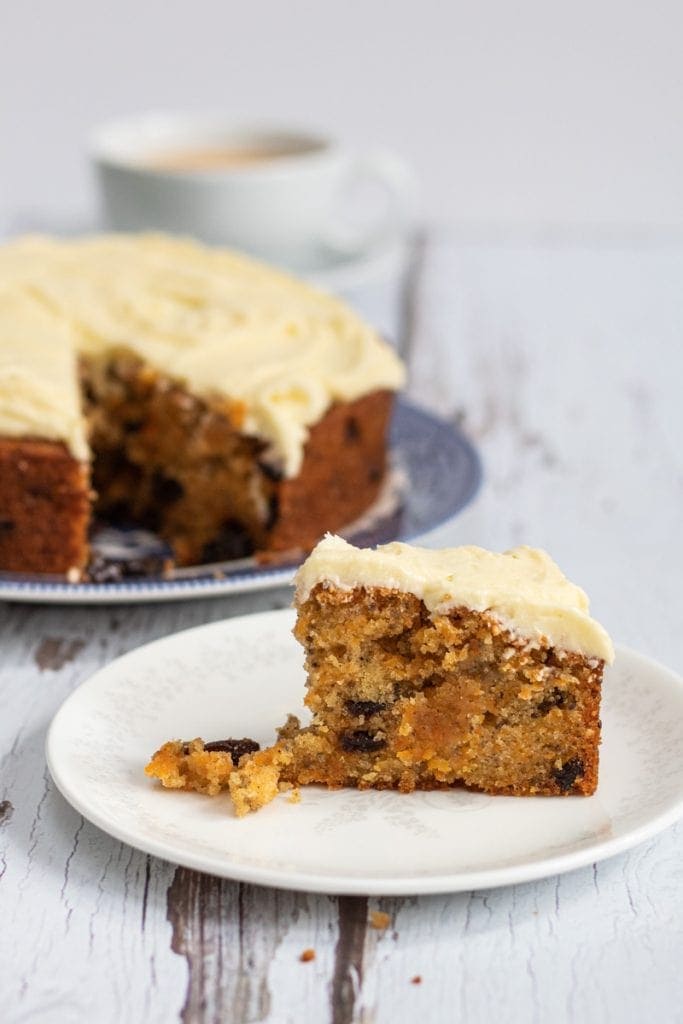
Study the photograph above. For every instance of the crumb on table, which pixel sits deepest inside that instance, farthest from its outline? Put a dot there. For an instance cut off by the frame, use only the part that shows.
(379, 920)
(307, 956)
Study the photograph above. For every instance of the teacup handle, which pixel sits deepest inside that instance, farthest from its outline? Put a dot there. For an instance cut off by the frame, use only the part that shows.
(392, 172)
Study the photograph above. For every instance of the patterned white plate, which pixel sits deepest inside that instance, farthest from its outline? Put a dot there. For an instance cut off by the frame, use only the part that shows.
(241, 677)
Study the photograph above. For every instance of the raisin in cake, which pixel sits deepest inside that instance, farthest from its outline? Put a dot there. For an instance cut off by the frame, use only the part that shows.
(226, 405)
(428, 669)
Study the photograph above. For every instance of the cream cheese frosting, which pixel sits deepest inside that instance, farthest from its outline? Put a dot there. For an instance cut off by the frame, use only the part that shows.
(217, 322)
(39, 393)
(522, 588)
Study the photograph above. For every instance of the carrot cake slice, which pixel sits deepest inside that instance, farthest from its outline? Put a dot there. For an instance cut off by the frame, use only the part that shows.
(429, 669)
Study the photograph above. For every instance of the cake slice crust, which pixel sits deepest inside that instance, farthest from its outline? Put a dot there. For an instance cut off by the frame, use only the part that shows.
(45, 508)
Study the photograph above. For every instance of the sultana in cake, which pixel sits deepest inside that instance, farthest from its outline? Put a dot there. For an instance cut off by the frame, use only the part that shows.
(429, 669)
(192, 391)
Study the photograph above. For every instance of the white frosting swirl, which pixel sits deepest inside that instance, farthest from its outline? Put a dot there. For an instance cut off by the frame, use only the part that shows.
(523, 588)
(213, 320)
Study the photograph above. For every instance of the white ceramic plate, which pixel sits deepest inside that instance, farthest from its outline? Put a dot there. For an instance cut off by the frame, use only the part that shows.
(350, 273)
(241, 677)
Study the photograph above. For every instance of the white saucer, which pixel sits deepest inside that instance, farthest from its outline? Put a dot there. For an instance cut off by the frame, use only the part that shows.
(346, 274)
(241, 677)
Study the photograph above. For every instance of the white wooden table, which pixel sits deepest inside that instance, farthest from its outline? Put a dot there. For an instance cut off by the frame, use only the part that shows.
(564, 362)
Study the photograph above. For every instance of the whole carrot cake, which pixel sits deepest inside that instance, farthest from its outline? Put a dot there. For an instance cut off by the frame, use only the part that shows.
(428, 669)
(190, 390)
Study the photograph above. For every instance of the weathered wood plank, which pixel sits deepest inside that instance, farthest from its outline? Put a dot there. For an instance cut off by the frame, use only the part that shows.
(564, 363)
(348, 961)
(243, 947)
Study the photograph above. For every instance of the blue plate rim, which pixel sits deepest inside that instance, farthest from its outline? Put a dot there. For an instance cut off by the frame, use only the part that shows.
(208, 584)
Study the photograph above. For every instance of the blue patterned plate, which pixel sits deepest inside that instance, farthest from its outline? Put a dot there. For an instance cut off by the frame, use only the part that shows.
(435, 473)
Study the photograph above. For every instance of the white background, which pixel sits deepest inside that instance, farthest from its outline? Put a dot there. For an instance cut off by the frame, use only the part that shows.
(532, 114)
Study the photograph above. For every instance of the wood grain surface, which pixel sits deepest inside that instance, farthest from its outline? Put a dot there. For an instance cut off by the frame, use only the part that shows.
(564, 362)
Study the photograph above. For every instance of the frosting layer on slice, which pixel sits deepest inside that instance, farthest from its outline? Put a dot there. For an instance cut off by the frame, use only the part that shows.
(523, 588)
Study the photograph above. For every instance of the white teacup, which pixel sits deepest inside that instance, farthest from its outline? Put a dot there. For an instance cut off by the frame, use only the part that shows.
(273, 192)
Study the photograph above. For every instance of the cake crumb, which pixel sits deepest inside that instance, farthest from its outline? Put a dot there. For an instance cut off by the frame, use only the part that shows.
(307, 956)
(295, 796)
(416, 980)
(379, 920)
